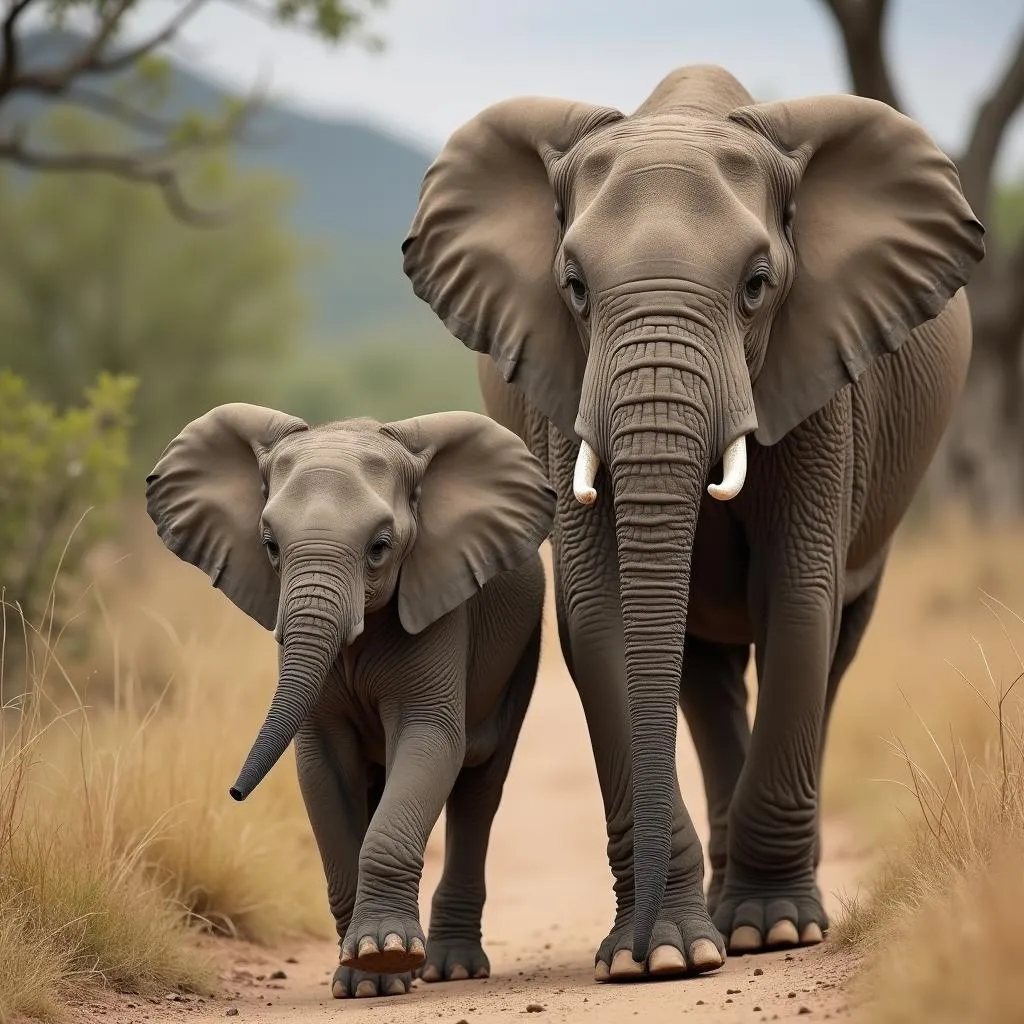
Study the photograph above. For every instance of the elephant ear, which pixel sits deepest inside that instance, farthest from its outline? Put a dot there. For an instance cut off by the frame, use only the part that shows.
(883, 238)
(484, 508)
(482, 243)
(206, 496)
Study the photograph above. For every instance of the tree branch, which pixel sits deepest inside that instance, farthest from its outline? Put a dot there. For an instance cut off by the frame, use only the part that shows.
(861, 23)
(117, 110)
(994, 114)
(151, 165)
(9, 56)
(91, 60)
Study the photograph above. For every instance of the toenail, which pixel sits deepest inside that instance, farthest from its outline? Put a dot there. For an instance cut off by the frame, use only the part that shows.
(666, 960)
(416, 945)
(624, 966)
(396, 987)
(812, 934)
(704, 955)
(601, 971)
(744, 938)
(430, 973)
(367, 946)
(393, 941)
(458, 973)
(365, 989)
(338, 991)
(783, 933)
(482, 972)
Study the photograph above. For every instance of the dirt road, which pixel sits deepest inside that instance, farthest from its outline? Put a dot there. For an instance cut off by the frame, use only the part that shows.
(549, 904)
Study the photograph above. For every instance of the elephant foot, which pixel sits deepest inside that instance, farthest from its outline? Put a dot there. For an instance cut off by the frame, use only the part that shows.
(387, 944)
(758, 917)
(351, 984)
(454, 960)
(685, 944)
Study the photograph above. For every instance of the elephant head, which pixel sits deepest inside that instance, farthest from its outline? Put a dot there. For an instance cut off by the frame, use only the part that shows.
(310, 529)
(663, 284)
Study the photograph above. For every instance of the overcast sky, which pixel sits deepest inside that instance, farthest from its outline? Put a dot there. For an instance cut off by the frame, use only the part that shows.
(445, 59)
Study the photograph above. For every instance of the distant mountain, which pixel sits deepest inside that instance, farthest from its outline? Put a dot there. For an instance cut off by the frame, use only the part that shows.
(357, 188)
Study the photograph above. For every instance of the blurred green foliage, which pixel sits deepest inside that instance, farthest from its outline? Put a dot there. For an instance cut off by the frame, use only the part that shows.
(104, 278)
(386, 375)
(60, 474)
(1008, 213)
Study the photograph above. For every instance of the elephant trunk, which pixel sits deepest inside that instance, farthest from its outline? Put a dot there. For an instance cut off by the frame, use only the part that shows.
(318, 621)
(664, 433)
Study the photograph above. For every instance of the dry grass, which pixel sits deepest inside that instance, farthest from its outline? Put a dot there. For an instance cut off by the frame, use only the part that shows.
(933, 617)
(116, 829)
(940, 927)
(77, 908)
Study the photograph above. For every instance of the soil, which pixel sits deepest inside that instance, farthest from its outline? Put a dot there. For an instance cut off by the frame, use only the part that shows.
(549, 905)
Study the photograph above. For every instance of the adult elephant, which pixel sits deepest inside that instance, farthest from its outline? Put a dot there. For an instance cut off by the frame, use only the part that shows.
(662, 297)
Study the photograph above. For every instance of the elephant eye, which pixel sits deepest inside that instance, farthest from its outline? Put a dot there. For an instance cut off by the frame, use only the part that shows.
(577, 292)
(753, 291)
(273, 551)
(379, 551)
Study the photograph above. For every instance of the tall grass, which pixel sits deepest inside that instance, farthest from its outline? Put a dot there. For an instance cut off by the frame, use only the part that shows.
(940, 926)
(117, 836)
(77, 908)
(932, 614)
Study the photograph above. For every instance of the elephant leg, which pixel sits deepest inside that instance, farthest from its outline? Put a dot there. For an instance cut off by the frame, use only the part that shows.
(852, 628)
(425, 750)
(770, 898)
(337, 790)
(454, 949)
(586, 580)
(713, 698)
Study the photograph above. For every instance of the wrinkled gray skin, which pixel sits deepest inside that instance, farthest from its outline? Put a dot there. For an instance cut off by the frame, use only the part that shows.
(398, 566)
(660, 286)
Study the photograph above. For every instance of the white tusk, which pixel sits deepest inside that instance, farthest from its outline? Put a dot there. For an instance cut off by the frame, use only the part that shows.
(587, 465)
(734, 471)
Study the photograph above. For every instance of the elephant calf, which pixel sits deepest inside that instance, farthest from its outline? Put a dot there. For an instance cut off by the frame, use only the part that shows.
(397, 565)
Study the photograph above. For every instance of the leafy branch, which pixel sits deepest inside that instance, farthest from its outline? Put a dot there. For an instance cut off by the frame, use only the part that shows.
(100, 54)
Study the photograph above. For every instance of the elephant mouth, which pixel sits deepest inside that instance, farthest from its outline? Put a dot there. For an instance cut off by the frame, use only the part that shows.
(734, 472)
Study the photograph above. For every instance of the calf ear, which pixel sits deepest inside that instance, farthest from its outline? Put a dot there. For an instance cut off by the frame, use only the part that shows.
(205, 496)
(485, 507)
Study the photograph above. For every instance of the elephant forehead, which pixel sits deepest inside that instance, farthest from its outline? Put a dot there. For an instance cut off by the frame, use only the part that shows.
(344, 466)
(707, 149)
(669, 214)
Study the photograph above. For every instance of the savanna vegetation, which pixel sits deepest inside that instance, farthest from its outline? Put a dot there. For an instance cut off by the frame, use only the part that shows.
(156, 273)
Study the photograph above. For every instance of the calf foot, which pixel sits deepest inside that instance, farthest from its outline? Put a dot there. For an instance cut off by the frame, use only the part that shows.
(352, 984)
(683, 942)
(758, 915)
(455, 960)
(383, 944)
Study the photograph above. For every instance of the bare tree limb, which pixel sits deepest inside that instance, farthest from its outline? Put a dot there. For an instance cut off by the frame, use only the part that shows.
(862, 23)
(117, 110)
(91, 59)
(9, 56)
(150, 165)
(990, 122)
(162, 177)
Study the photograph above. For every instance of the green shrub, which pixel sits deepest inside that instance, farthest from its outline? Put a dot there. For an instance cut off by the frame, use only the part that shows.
(60, 476)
